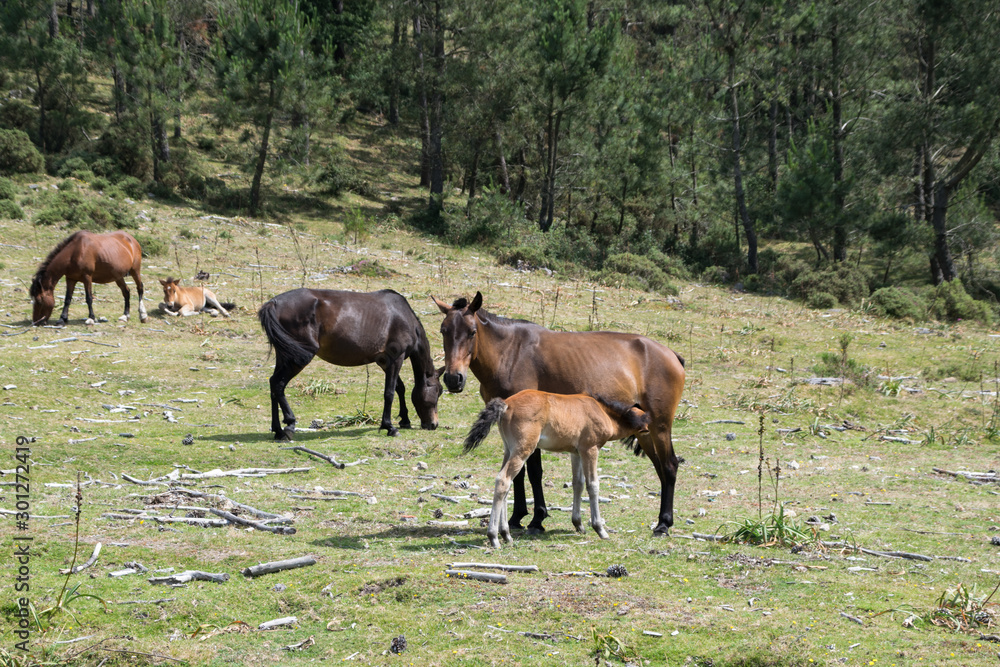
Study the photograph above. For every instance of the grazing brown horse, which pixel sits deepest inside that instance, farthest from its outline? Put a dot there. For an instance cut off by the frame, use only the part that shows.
(508, 356)
(91, 258)
(186, 301)
(576, 423)
(350, 329)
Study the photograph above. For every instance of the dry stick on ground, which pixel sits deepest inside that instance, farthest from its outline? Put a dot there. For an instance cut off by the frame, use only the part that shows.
(497, 566)
(261, 514)
(90, 561)
(256, 525)
(141, 482)
(278, 566)
(190, 575)
(191, 521)
(872, 552)
(479, 576)
(278, 622)
(305, 450)
(176, 475)
(160, 601)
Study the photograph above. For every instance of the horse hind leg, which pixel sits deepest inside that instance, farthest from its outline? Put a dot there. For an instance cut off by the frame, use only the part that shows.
(498, 526)
(404, 415)
(143, 315)
(283, 373)
(588, 470)
(392, 367)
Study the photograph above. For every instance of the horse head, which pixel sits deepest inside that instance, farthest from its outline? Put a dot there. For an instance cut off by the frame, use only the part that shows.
(170, 289)
(42, 301)
(425, 395)
(459, 333)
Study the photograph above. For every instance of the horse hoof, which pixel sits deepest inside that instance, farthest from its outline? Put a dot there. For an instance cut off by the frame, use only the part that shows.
(284, 436)
(392, 432)
(89, 322)
(603, 534)
(494, 542)
(405, 424)
(123, 318)
(535, 530)
(661, 531)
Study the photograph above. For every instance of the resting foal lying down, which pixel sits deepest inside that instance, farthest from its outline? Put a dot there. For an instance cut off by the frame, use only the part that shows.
(575, 423)
(188, 301)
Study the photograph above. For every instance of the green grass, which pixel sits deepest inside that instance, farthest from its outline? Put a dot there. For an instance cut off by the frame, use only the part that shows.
(710, 603)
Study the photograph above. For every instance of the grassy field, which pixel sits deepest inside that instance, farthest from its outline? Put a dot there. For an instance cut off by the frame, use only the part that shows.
(112, 400)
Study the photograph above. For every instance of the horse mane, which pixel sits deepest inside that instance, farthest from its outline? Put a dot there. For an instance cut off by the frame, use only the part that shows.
(36, 282)
(621, 412)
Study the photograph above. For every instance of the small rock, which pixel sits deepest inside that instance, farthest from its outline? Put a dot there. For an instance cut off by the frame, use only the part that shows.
(421, 465)
(188, 440)
(730, 436)
(995, 540)
(792, 465)
(279, 587)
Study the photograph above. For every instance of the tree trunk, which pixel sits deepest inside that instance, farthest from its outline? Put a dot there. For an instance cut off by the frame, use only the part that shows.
(502, 161)
(262, 155)
(772, 146)
(839, 228)
(437, 116)
(393, 73)
(741, 203)
(340, 50)
(425, 121)
(54, 21)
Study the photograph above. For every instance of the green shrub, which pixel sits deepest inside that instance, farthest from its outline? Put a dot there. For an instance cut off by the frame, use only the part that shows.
(131, 187)
(650, 276)
(204, 143)
(100, 183)
(951, 302)
(92, 214)
(821, 300)
(18, 155)
(71, 165)
(524, 256)
(152, 246)
(491, 219)
(18, 114)
(898, 303)
(127, 150)
(848, 284)
(9, 210)
(613, 278)
(106, 167)
(8, 189)
(717, 275)
(338, 175)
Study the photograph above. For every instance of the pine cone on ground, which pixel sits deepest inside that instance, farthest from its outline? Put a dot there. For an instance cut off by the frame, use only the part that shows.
(617, 571)
(398, 644)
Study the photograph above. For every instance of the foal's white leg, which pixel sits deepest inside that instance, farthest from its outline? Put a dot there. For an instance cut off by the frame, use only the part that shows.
(588, 461)
(577, 490)
(212, 301)
(498, 514)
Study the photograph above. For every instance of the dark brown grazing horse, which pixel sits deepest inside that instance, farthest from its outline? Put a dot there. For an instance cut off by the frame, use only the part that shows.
(350, 329)
(508, 356)
(91, 258)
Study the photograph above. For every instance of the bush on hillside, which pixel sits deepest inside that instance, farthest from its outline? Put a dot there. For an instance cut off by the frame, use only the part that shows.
(898, 303)
(650, 277)
(8, 190)
(9, 210)
(848, 284)
(821, 300)
(18, 155)
(950, 301)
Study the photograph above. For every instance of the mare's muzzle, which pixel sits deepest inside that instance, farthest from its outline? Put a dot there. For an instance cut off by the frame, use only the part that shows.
(455, 382)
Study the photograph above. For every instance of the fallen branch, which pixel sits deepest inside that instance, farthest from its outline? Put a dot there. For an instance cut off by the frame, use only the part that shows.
(498, 566)
(90, 561)
(190, 521)
(141, 482)
(708, 538)
(160, 601)
(332, 461)
(176, 474)
(246, 508)
(872, 552)
(304, 644)
(450, 499)
(189, 575)
(478, 576)
(256, 525)
(278, 622)
(724, 421)
(852, 618)
(278, 566)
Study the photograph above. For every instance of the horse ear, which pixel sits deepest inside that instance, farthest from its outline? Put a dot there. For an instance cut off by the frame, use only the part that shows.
(442, 306)
(477, 303)
(163, 282)
(440, 371)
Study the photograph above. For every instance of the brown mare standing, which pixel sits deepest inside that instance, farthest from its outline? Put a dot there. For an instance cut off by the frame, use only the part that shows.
(575, 423)
(508, 356)
(350, 329)
(90, 258)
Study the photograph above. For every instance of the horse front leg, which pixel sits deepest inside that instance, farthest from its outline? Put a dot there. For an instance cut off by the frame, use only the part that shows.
(70, 286)
(577, 466)
(658, 446)
(392, 368)
(125, 295)
(283, 373)
(404, 416)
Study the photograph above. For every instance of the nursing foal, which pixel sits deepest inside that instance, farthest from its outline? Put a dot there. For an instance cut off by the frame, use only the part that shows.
(574, 423)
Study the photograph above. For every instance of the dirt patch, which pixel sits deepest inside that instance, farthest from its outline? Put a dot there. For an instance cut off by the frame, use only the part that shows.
(375, 587)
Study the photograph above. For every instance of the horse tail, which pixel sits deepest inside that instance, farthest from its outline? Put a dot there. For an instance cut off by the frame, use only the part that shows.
(632, 442)
(679, 358)
(228, 305)
(279, 339)
(490, 415)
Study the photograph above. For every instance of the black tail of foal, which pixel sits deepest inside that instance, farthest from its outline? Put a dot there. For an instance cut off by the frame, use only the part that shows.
(490, 415)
